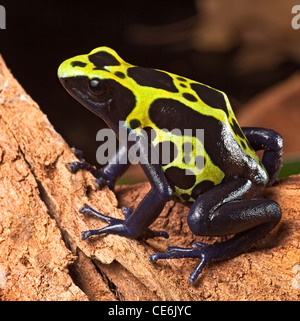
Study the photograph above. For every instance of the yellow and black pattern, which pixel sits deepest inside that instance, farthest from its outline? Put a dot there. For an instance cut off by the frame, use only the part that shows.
(164, 102)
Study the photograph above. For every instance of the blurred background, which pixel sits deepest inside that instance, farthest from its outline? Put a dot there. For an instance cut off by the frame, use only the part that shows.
(246, 48)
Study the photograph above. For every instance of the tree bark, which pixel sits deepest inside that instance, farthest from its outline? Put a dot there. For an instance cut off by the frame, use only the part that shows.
(42, 256)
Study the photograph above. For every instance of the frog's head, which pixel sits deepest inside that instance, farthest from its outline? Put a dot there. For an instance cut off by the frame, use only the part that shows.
(95, 80)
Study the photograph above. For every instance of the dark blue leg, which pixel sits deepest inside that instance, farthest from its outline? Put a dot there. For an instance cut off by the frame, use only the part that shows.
(223, 211)
(272, 143)
(107, 175)
(137, 223)
(117, 226)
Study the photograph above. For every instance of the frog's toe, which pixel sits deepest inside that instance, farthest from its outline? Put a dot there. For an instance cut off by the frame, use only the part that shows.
(127, 211)
(85, 209)
(78, 153)
(103, 180)
(73, 167)
(198, 244)
(173, 252)
(159, 256)
(86, 234)
(202, 251)
(99, 182)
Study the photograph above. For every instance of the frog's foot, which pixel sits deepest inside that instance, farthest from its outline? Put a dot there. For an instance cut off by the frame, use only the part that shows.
(74, 167)
(117, 226)
(78, 153)
(198, 250)
(101, 179)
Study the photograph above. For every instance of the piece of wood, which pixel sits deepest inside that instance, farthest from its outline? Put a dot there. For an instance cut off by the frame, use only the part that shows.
(42, 256)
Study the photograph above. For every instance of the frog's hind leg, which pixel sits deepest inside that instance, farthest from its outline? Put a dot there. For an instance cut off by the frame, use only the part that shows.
(272, 144)
(224, 210)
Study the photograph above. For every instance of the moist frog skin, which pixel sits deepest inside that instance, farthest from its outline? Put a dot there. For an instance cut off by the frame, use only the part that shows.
(224, 195)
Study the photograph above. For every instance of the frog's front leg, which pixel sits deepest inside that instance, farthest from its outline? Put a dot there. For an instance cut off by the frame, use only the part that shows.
(107, 175)
(137, 223)
(223, 210)
(148, 210)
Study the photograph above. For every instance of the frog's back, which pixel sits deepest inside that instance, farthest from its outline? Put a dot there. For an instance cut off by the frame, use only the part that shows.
(182, 106)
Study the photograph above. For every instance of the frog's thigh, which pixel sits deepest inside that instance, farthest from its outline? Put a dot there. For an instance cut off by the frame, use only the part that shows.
(228, 209)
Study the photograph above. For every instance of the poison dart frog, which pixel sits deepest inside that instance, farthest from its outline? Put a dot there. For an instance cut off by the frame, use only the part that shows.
(224, 194)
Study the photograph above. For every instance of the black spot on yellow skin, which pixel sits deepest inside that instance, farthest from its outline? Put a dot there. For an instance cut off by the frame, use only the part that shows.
(248, 144)
(78, 64)
(243, 145)
(181, 79)
(172, 114)
(120, 74)
(178, 177)
(236, 128)
(168, 113)
(189, 97)
(152, 78)
(134, 123)
(201, 187)
(183, 85)
(101, 59)
(185, 196)
(210, 96)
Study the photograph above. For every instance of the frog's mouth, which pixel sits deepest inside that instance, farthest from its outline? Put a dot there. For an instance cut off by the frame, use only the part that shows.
(78, 87)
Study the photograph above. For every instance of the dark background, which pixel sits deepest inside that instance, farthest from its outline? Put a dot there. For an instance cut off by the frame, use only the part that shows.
(39, 35)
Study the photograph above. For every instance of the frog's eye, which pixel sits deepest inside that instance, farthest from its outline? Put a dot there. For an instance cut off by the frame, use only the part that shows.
(96, 87)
